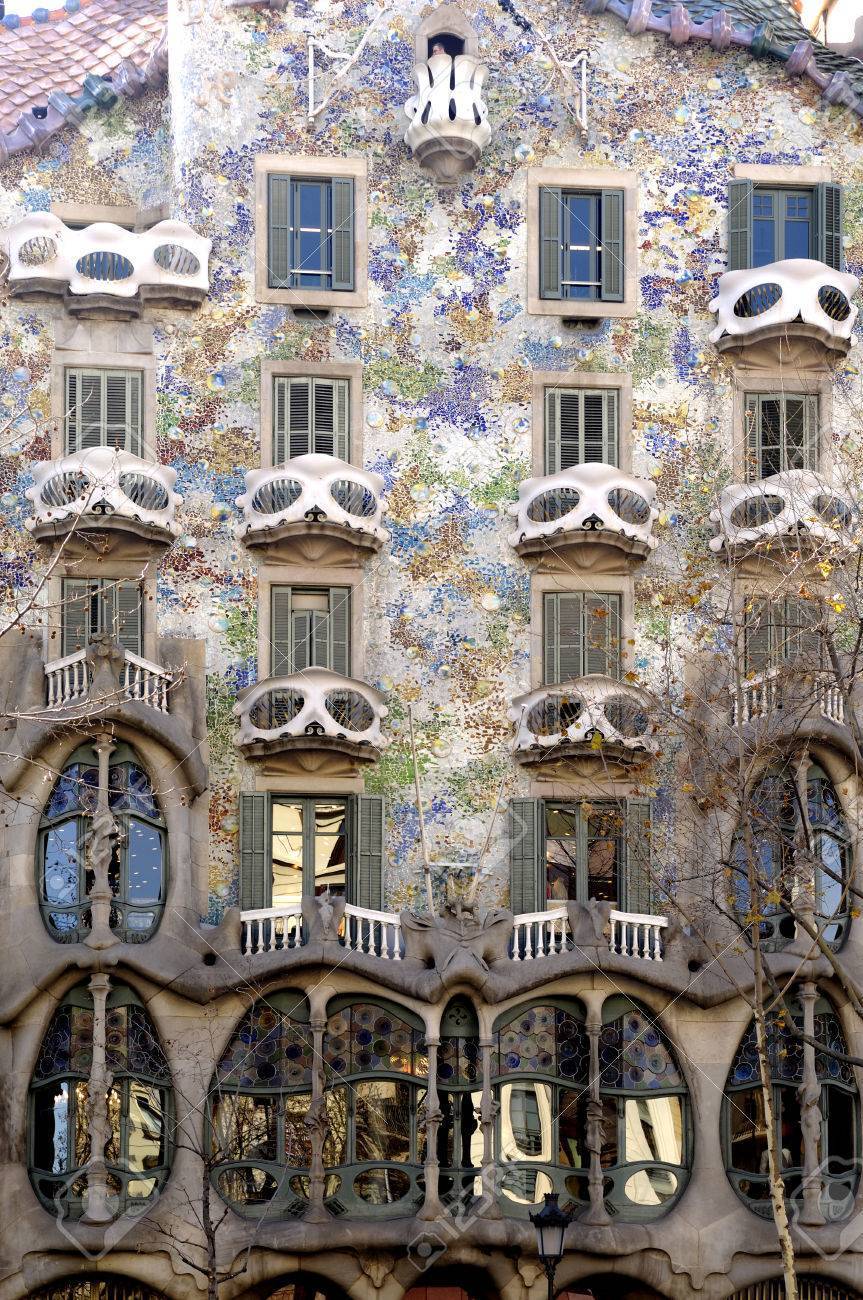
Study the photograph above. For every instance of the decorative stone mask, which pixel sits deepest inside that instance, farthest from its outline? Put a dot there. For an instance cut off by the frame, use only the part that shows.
(784, 505)
(799, 288)
(585, 498)
(314, 702)
(314, 488)
(575, 712)
(449, 127)
(104, 482)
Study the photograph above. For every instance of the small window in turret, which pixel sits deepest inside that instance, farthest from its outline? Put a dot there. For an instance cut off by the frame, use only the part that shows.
(445, 43)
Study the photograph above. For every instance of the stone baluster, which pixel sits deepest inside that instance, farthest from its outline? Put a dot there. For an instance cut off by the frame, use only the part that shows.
(809, 1093)
(486, 1113)
(98, 1208)
(101, 845)
(431, 1207)
(597, 1213)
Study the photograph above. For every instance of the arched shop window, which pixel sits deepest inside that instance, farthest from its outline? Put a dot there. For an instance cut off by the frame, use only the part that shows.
(260, 1097)
(137, 870)
(744, 1128)
(792, 857)
(541, 1076)
(646, 1137)
(376, 1062)
(138, 1102)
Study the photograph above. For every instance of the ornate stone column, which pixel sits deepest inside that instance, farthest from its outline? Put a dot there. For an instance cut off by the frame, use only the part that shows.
(597, 1213)
(98, 1209)
(99, 851)
(486, 1113)
(431, 1207)
(809, 1093)
(318, 1125)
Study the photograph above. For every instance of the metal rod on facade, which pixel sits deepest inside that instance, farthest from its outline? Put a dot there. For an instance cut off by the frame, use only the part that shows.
(427, 876)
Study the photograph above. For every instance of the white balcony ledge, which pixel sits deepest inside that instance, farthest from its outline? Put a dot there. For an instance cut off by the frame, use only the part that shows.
(795, 299)
(106, 267)
(314, 509)
(69, 682)
(102, 490)
(768, 696)
(797, 508)
(591, 515)
(311, 714)
(547, 934)
(592, 721)
(449, 119)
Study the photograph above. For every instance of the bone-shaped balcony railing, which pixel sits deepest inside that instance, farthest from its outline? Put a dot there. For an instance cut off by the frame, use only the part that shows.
(103, 485)
(795, 504)
(312, 489)
(449, 119)
(167, 259)
(311, 704)
(577, 712)
(585, 499)
(752, 300)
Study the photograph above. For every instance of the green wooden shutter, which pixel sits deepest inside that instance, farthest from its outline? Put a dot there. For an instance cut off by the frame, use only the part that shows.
(602, 635)
(278, 232)
(128, 604)
(526, 869)
(828, 226)
(73, 410)
(757, 637)
(280, 420)
(550, 241)
(752, 419)
(811, 431)
(303, 642)
(594, 431)
(612, 268)
(300, 417)
(91, 409)
(323, 416)
(343, 232)
(339, 630)
(564, 651)
(256, 872)
(122, 411)
(739, 225)
(639, 894)
(75, 614)
(802, 639)
(369, 852)
(552, 431)
(611, 454)
(280, 631)
(342, 419)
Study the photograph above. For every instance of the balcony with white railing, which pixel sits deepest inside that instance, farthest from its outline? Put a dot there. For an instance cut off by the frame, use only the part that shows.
(314, 509)
(548, 934)
(564, 518)
(272, 929)
(105, 266)
(589, 721)
(637, 935)
(105, 491)
(311, 714)
(781, 694)
(789, 300)
(69, 682)
(448, 117)
(788, 512)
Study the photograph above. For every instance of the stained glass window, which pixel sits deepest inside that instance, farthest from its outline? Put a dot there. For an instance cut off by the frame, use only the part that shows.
(365, 1036)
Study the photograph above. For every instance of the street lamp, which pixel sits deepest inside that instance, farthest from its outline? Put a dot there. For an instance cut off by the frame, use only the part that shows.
(551, 1224)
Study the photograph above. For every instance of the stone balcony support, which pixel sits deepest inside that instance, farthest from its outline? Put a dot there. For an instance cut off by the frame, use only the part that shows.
(577, 724)
(448, 116)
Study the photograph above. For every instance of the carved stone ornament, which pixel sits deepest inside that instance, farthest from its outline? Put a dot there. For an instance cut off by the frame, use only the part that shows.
(377, 1266)
(449, 127)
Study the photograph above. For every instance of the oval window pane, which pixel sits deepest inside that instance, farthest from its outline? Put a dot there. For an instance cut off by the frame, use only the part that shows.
(248, 1186)
(526, 1186)
(144, 862)
(526, 1121)
(60, 879)
(654, 1125)
(650, 1186)
(382, 1186)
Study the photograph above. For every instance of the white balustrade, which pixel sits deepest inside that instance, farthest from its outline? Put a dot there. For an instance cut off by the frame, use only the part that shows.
(760, 697)
(634, 934)
(540, 934)
(796, 504)
(376, 933)
(585, 499)
(782, 293)
(312, 489)
(106, 259)
(272, 929)
(576, 712)
(67, 680)
(830, 699)
(103, 484)
(311, 703)
(448, 117)
(141, 680)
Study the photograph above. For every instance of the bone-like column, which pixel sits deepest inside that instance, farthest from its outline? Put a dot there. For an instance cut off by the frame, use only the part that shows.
(100, 849)
(98, 1209)
(431, 1207)
(810, 1112)
(597, 1213)
(318, 1125)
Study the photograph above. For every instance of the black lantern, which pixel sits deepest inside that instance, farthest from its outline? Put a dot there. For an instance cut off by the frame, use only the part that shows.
(551, 1224)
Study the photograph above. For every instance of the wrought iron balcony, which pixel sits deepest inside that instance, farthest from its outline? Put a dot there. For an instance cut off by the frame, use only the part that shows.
(797, 506)
(311, 712)
(798, 297)
(103, 490)
(449, 119)
(589, 720)
(106, 265)
(70, 682)
(564, 515)
(315, 508)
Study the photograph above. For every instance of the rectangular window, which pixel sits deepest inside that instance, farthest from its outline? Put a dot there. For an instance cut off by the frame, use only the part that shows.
(310, 232)
(309, 628)
(94, 607)
(581, 635)
(782, 225)
(581, 244)
(782, 433)
(768, 223)
(584, 851)
(581, 427)
(310, 415)
(103, 408)
(778, 632)
(308, 839)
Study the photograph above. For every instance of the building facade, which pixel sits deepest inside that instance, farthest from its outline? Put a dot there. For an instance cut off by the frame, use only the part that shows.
(431, 477)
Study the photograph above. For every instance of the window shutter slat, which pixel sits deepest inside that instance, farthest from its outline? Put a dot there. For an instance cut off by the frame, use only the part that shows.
(135, 438)
(611, 260)
(739, 225)
(128, 601)
(526, 874)
(757, 638)
(118, 413)
(75, 614)
(639, 894)
(323, 414)
(553, 415)
(300, 417)
(280, 631)
(802, 633)
(612, 417)
(303, 640)
(595, 433)
(256, 883)
(828, 226)
(73, 410)
(811, 432)
(550, 241)
(339, 630)
(278, 231)
(343, 233)
(602, 635)
(342, 419)
(570, 651)
(569, 433)
(92, 407)
(550, 638)
(370, 852)
(280, 420)
(752, 418)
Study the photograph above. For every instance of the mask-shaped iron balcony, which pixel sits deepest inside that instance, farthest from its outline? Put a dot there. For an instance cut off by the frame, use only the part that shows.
(589, 721)
(311, 714)
(795, 299)
(449, 127)
(792, 511)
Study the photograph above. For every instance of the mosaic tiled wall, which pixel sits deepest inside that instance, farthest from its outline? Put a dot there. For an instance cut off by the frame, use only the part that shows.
(446, 345)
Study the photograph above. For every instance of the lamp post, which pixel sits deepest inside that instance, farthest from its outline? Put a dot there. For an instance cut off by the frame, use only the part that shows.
(551, 1224)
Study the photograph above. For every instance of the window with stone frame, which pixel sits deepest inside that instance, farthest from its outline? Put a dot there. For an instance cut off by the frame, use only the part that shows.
(310, 232)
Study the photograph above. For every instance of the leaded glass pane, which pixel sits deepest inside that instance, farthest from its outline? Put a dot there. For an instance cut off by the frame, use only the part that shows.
(365, 1037)
(633, 1054)
(269, 1050)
